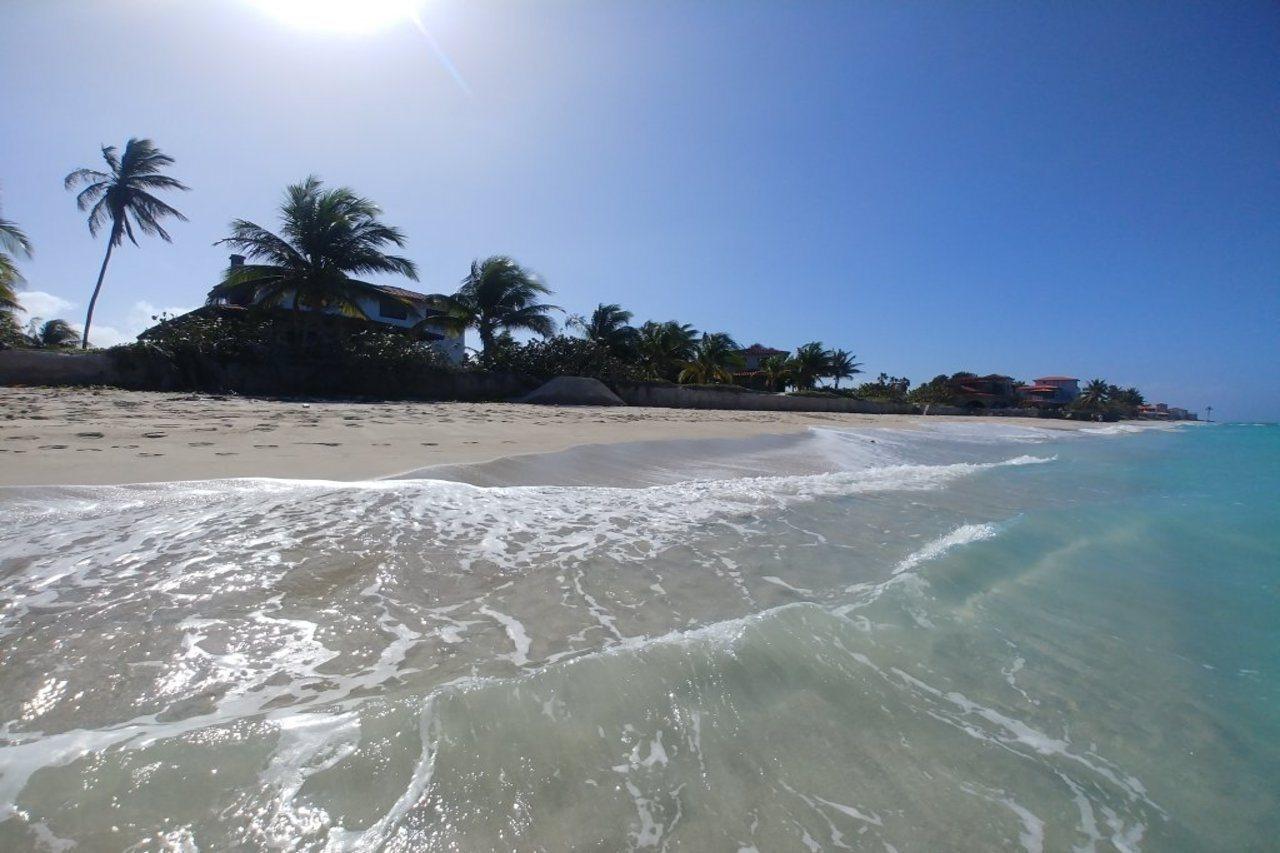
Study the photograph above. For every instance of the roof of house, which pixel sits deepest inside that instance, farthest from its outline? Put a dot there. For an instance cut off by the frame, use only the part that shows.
(1039, 389)
(411, 295)
(761, 349)
(1058, 379)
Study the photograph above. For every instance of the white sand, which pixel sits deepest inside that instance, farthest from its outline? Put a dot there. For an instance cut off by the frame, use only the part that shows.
(62, 436)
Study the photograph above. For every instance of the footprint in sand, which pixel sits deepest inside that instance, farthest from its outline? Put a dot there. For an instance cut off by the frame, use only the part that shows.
(430, 443)
(154, 434)
(88, 435)
(53, 447)
(199, 444)
(150, 454)
(264, 446)
(225, 453)
(89, 449)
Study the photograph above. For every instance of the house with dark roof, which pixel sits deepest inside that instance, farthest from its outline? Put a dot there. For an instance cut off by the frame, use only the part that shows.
(1051, 391)
(754, 355)
(383, 305)
(993, 391)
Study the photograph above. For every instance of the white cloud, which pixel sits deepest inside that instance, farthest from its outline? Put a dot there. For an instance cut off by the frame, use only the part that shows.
(47, 306)
(38, 303)
(107, 336)
(140, 315)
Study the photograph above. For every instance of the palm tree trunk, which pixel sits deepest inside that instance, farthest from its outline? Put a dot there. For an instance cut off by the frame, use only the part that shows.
(93, 300)
(486, 339)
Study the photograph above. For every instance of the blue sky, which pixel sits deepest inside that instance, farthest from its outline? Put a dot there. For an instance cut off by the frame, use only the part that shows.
(1028, 188)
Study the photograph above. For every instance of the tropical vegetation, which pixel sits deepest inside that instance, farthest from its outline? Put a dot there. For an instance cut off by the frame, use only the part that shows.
(665, 348)
(313, 270)
(123, 199)
(715, 357)
(13, 244)
(327, 237)
(50, 334)
(497, 296)
(610, 327)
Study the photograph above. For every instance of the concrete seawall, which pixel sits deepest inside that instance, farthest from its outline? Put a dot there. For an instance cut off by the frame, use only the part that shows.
(298, 379)
(684, 397)
(141, 372)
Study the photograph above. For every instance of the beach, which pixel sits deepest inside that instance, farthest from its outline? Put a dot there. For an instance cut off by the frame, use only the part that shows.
(100, 436)
(627, 629)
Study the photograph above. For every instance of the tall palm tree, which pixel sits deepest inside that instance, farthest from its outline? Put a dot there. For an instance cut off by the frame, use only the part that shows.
(810, 361)
(842, 366)
(610, 327)
(326, 237)
(13, 243)
(665, 347)
(777, 371)
(122, 197)
(498, 295)
(714, 360)
(52, 334)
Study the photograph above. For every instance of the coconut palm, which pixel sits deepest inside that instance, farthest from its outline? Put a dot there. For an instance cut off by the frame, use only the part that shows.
(842, 366)
(714, 359)
(776, 370)
(610, 327)
(52, 334)
(13, 243)
(122, 198)
(1095, 394)
(326, 237)
(666, 347)
(498, 295)
(810, 361)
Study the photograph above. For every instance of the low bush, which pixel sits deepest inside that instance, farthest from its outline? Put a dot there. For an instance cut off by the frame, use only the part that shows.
(560, 356)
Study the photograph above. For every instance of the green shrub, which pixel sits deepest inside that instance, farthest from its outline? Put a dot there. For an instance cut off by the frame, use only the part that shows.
(560, 356)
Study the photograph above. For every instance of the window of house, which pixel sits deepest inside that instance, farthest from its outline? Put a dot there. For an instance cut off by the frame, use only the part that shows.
(391, 309)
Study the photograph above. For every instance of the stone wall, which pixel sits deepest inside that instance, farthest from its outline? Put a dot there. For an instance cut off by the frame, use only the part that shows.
(668, 396)
(150, 372)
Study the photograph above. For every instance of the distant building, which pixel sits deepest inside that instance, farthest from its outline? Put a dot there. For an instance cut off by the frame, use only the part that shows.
(387, 306)
(754, 356)
(993, 391)
(1051, 390)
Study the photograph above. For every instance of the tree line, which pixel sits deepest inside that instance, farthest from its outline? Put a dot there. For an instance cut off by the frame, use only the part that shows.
(330, 239)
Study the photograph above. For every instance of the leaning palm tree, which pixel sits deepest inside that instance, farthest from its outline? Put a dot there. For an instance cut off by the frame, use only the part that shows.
(714, 360)
(810, 361)
(52, 334)
(609, 326)
(326, 237)
(666, 347)
(13, 243)
(122, 197)
(842, 366)
(498, 295)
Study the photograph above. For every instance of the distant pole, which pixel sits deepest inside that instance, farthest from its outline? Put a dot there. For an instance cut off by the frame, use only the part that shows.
(1208, 413)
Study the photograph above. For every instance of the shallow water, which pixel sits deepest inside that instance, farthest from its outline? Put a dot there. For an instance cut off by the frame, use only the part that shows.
(972, 636)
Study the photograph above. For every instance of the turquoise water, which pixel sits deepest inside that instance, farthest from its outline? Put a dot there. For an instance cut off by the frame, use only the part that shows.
(965, 637)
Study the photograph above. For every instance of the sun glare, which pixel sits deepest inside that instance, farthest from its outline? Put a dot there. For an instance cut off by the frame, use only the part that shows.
(344, 16)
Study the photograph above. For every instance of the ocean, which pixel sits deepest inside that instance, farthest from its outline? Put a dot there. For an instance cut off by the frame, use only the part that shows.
(968, 636)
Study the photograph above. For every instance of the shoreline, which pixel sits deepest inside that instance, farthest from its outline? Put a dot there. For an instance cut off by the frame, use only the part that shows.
(106, 436)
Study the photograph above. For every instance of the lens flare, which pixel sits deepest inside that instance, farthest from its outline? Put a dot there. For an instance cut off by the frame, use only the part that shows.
(344, 16)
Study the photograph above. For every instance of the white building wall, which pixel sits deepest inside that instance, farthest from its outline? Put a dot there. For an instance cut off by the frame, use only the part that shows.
(452, 346)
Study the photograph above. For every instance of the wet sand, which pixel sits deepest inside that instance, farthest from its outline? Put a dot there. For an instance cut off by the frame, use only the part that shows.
(93, 436)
